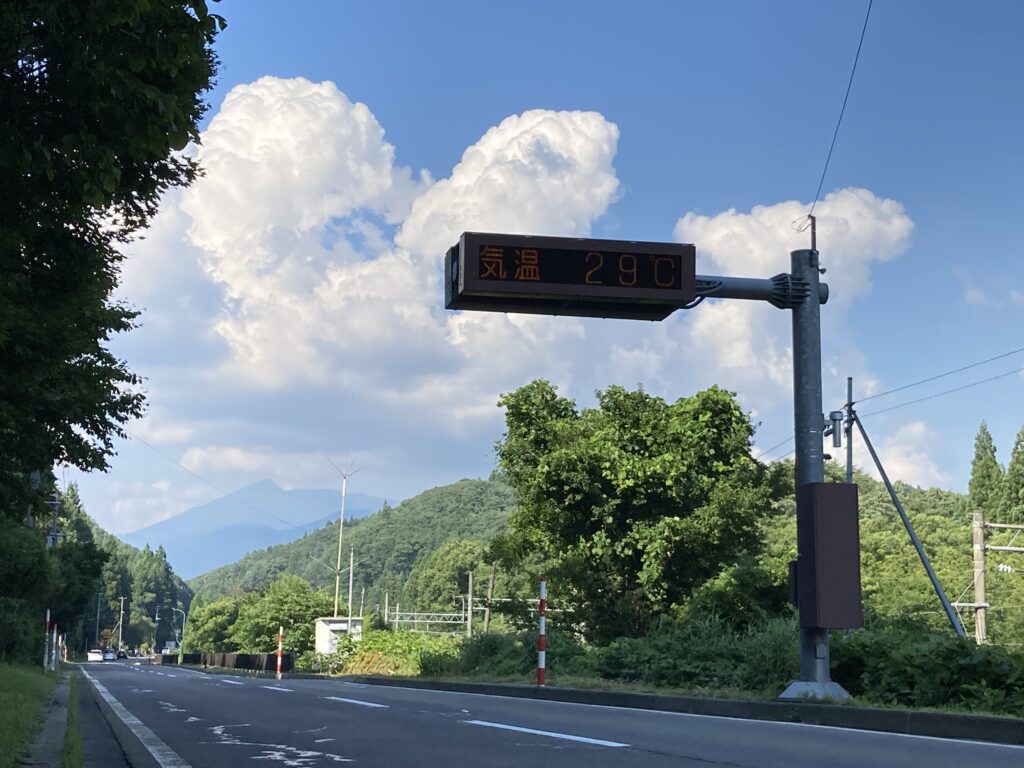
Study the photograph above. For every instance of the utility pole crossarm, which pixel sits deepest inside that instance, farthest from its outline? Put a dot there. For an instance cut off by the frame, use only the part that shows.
(994, 548)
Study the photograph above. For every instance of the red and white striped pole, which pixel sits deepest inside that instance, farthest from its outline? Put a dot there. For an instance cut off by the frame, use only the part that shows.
(280, 649)
(46, 641)
(542, 639)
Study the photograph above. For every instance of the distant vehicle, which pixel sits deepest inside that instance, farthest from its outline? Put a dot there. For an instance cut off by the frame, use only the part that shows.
(122, 654)
(94, 655)
(108, 655)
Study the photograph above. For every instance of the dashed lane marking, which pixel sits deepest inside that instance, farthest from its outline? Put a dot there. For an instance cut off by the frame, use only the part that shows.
(552, 734)
(357, 701)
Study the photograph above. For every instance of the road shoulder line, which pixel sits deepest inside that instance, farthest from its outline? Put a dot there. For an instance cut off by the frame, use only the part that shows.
(156, 751)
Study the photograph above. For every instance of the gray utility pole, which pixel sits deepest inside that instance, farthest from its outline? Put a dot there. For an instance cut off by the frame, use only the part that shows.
(341, 532)
(849, 429)
(98, 596)
(978, 540)
(809, 419)
(351, 570)
(120, 625)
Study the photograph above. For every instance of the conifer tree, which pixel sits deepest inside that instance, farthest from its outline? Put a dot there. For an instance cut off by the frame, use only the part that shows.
(1012, 507)
(985, 489)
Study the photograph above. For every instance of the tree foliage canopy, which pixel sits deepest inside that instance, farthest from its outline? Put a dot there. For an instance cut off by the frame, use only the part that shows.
(97, 99)
(635, 502)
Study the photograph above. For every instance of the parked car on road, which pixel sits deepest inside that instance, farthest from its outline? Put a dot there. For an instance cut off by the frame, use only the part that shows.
(122, 654)
(108, 655)
(94, 655)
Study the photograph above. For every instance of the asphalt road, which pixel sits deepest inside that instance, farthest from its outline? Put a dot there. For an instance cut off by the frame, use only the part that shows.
(194, 719)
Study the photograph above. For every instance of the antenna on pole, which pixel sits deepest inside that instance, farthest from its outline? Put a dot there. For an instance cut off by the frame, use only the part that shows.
(350, 469)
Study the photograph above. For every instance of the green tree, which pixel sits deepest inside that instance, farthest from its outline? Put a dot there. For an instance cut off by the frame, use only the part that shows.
(289, 601)
(1012, 507)
(636, 502)
(437, 582)
(984, 491)
(210, 626)
(97, 99)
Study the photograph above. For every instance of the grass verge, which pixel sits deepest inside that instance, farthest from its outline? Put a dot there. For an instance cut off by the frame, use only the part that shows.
(73, 757)
(24, 690)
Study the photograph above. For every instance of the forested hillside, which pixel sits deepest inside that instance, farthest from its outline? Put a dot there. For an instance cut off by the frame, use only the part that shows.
(387, 544)
(142, 576)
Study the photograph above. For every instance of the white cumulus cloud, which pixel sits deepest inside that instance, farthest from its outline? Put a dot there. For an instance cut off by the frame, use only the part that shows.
(905, 456)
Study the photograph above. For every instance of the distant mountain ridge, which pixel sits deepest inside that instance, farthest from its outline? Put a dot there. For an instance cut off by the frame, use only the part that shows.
(254, 517)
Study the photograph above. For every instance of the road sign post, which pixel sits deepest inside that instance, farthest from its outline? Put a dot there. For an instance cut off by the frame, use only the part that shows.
(648, 281)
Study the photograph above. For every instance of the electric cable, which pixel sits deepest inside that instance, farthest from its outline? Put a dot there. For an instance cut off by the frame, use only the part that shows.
(221, 491)
(943, 393)
(941, 375)
(842, 111)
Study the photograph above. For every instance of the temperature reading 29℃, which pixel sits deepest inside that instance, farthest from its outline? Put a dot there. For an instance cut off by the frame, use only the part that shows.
(578, 267)
(569, 276)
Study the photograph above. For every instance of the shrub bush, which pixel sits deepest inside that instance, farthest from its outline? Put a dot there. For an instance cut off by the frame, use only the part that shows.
(899, 666)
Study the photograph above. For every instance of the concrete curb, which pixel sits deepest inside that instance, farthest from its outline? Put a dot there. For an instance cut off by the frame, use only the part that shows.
(917, 723)
(134, 750)
(48, 747)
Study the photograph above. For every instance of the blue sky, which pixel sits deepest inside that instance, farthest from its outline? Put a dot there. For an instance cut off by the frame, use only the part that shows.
(270, 333)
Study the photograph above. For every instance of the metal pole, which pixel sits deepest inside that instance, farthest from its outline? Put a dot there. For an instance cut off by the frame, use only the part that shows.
(386, 608)
(351, 568)
(469, 608)
(542, 640)
(46, 641)
(98, 596)
(978, 534)
(849, 429)
(341, 532)
(280, 648)
(953, 620)
(487, 607)
(362, 598)
(809, 421)
(120, 626)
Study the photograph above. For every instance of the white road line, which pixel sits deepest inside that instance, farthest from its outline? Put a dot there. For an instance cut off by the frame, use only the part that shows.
(163, 754)
(275, 688)
(232, 682)
(552, 734)
(356, 701)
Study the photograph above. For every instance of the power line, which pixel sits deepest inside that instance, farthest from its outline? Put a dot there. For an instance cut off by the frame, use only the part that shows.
(942, 375)
(766, 451)
(943, 393)
(842, 111)
(219, 490)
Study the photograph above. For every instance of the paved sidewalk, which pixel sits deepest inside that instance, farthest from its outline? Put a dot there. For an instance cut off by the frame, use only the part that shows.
(48, 748)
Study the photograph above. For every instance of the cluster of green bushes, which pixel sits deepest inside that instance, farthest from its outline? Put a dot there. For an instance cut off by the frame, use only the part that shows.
(406, 654)
(878, 665)
(889, 665)
(709, 653)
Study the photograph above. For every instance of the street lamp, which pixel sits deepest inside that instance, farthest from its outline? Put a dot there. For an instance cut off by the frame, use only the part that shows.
(181, 644)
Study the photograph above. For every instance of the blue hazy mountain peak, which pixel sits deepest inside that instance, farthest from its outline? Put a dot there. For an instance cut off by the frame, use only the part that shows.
(254, 517)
